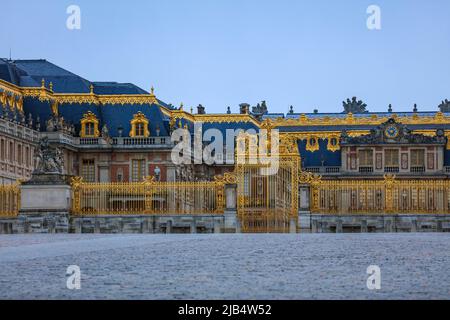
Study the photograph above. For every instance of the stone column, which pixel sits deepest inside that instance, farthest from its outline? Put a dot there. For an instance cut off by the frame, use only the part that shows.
(304, 198)
(230, 196)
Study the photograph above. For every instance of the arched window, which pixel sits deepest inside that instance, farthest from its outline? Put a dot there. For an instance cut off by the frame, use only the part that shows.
(89, 126)
(139, 126)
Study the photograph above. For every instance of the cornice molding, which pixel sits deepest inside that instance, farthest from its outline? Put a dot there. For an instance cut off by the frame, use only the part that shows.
(350, 119)
(45, 94)
(210, 118)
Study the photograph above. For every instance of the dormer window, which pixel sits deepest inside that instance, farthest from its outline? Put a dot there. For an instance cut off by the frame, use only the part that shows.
(90, 129)
(140, 129)
(139, 126)
(89, 126)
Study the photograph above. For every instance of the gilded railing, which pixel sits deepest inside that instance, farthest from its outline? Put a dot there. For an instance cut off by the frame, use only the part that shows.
(380, 196)
(148, 197)
(9, 200)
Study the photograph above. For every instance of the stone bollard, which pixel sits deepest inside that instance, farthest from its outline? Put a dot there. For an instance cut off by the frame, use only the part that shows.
(339, 228)
(216, 226)
(414, 225)
(315, 228)
(439, 226)
(169, 226)
(78, 223)
(364, 226)
(388, 225)
(193, 226)
(97, 226)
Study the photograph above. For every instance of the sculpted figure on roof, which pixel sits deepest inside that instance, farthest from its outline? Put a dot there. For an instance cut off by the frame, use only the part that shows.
(354, 106)
(445, 106)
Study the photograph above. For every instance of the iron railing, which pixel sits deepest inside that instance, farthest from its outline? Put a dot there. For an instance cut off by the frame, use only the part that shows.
(147, 197)
(9, 200)
(380, 196)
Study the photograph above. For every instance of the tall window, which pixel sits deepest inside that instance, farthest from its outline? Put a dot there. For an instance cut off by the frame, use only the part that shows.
(90, 129)
(19, 154)
(2, 150)
(365, 157)
(27, 156)
(137, 170)
(11, 152)
(140, 130)
(88, 170)
(120, 175)
(417, 158)
(391, 157)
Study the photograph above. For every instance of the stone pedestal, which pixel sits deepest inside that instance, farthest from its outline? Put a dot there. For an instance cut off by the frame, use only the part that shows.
(45, 204)
(231, 222)
(230, 197)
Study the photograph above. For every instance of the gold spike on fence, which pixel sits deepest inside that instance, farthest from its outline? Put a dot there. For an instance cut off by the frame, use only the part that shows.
(9, 200)
(148, 197)
(380, 196)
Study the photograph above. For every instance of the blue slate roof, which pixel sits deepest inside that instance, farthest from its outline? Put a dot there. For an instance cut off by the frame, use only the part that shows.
(117, 88)
(29, 73)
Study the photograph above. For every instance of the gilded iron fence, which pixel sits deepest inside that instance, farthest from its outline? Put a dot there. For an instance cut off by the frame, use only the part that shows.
(148, 197)
(380, 196)
(9, 200)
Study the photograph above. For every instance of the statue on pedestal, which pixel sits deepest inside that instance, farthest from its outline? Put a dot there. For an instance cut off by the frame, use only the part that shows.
(48, 159)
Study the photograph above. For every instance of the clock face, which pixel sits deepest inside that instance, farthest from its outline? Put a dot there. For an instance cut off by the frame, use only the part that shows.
(391, 132)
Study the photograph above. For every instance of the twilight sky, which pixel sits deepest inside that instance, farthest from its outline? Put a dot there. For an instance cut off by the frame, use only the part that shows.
(309, 54)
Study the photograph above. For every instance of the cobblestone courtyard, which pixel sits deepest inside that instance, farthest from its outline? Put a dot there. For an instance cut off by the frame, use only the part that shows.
(221, 266)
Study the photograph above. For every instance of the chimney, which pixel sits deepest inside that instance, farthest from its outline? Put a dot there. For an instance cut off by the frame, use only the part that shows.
(244, 108)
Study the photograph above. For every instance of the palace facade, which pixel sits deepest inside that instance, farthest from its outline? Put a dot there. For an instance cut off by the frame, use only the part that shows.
(118, 132)
(112, 132)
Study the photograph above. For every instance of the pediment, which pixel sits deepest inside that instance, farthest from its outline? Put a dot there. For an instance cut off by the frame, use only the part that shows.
(393, 132)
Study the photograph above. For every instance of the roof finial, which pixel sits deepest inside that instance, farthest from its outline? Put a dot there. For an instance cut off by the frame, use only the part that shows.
(181, 106)
(390, 108)
(152, 91)
(51, 86)
(91, 88)
(43, 83)
(192, 110)
(415, 107)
